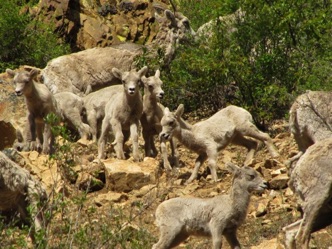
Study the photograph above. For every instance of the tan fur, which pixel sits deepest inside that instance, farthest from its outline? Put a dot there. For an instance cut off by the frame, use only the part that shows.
(95, 103)
(150, 120)
(71, 109)
(178, 218)
(230, 125)
(40, 102)
(122, 114)
(311, 180)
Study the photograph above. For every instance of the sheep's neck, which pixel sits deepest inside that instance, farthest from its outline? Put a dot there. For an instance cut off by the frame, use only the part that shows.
(240, 198)
(132, 100)
(188, 139)
(150, 100)
(31, 91)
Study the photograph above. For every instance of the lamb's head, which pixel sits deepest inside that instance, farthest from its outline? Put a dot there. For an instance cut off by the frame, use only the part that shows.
(22, 80)
(180, 26)
(153, 84)
(170, 122)
(247, 178)
(130, 79)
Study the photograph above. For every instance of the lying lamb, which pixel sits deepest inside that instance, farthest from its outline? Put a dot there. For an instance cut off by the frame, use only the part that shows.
(230, 125)
(178, 218)
(311, 180)
(150, 120)
(40, 102)
(123, 113)
(19, 191)
(310, 119)
(95, 103)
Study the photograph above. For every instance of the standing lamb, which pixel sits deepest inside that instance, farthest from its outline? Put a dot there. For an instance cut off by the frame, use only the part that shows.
(20, 191)
(40, 102)
(150, 120)
(310, 118)
(230, 125)
(311, 180)
(71, 109)
(178, 218)
(123, 113)
(95, 103)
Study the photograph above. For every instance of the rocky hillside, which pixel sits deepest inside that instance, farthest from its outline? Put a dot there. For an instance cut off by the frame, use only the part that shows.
(111, 203)
(121, 196)
(87, 24)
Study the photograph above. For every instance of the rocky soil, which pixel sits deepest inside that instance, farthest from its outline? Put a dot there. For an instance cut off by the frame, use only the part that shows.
(137, 188)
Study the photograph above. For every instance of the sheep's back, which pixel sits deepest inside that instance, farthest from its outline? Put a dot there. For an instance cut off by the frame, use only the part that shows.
(311, 177)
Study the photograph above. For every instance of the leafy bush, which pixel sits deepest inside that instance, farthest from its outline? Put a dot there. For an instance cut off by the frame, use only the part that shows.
(23, 40)
(276, 51)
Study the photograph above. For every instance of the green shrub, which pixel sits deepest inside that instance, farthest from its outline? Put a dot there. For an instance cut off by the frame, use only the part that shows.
(279, 50)
(25, 41)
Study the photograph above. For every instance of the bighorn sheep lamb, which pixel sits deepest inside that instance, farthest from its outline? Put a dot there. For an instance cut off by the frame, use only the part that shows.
(311, 180)
(95, 103)
(71, 109)
(40, 102)
(178, 218)
(230, 125)
(150, 120)
(123, 113)
(19, 190)
(82, 74)
(310, 118)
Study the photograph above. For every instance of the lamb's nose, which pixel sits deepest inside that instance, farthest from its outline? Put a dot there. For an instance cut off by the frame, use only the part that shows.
(132, 89)
(161, 95)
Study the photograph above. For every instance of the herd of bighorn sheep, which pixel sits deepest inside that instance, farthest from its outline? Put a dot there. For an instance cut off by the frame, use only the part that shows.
(108, 100)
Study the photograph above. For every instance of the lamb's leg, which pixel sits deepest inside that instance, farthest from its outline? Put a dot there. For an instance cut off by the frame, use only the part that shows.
(216, 233)
(212, 155)
(290, 233)
(147, 143)
(250, 130)
(170, 236)
(199, 161)
(134, 139)
(311, 213)
(232, 239)
(164, 155)
(40, 127)
(105, 128)
(153, 147)
(92, 121)
(250, 144)
(47, 139)
(175, 153)
(119, 139)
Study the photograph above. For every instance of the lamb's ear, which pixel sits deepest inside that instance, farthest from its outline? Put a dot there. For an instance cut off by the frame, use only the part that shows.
(143, 71)
(10, 72)
(170, 16)
(30, 68)
(179, 111)
(157, 74)
(33, 73)
(117, 73)
(144, 80)
(166, 111)
(231, 167)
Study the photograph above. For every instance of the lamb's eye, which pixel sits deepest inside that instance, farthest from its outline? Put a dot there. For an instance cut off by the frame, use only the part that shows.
(171, 123)
(150, 86)
(251, 177)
